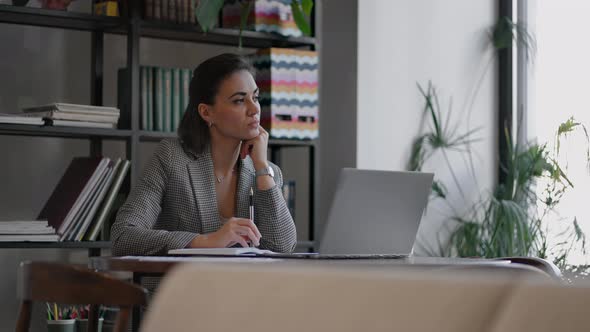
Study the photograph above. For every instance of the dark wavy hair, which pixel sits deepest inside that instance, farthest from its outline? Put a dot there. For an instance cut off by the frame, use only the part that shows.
(193, 131)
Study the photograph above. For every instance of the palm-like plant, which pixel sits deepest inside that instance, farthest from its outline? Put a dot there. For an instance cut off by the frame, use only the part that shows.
(511, 220)
(508, 222)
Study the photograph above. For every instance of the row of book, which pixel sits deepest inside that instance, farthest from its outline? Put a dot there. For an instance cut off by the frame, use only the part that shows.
(63, 114)
(178, 11)
(164, 97)
(83, 199)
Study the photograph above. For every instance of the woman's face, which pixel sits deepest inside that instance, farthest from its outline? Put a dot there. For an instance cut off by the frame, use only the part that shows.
(236, 112)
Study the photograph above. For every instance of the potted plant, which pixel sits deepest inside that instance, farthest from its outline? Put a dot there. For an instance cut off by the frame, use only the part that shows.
(207, 14)
(512, 219)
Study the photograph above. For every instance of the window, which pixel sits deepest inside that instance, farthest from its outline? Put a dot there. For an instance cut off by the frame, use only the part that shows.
(558, 87)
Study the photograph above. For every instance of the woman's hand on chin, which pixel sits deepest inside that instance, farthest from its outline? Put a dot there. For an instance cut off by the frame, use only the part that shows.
(257, 149)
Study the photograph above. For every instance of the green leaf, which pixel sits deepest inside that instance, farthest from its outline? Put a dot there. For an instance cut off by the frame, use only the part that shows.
(300, 18)
(567, 126)
(439, 189)
(417, 157)
(207, 13)
(502, 34)
(307, 6)
(246, 8)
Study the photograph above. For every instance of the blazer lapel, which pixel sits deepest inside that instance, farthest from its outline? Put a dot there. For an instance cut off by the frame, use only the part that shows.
(246, 181)
(203, 183)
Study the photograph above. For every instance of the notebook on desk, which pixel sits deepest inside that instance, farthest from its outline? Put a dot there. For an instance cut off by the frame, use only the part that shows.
(374, 214)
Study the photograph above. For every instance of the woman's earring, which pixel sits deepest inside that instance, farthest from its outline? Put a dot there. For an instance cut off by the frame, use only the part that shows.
(210, 124)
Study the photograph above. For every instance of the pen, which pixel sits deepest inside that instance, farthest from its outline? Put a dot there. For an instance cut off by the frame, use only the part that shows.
(251, 205)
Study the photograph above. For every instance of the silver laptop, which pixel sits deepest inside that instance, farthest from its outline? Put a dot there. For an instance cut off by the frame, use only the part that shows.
(375, 212)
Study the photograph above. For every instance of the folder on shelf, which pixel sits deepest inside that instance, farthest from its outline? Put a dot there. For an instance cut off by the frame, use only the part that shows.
(107, 204)
(71, 191)
(91, 207)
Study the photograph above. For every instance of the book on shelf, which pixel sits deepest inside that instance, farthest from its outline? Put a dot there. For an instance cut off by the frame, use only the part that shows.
(177, 11)
(82, 124)
(71, 191)
(82, 199)
(75, 115)
(29, 238)
(54, 115)
(106, 206)
(86, 213)
(164, 96)
(20, 119)
(27, 231)
(74, 108)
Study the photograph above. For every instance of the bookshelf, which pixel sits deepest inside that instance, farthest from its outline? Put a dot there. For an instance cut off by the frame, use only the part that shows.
(135, 27)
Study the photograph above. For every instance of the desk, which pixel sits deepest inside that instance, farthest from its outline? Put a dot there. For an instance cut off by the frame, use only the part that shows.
(159, 265)
(141, 266)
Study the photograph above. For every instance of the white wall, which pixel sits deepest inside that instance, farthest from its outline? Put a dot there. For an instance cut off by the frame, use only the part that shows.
(402, 43)
(338, 96)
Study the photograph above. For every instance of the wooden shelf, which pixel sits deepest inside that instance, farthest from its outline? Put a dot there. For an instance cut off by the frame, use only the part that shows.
(155, 136)
(152, 29)
(189, 32)
(57, 245)
(58, 19)
(67, 132)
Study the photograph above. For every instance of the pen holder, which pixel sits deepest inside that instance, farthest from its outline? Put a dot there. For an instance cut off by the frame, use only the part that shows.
(61, 325)
(82, 325)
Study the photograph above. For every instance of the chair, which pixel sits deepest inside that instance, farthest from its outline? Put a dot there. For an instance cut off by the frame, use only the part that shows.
(263, 298)
(62, 283)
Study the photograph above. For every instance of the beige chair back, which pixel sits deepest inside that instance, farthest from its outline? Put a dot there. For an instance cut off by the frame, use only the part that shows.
(314, 298)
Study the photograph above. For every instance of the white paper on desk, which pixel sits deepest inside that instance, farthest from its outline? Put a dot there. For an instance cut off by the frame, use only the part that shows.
(221, 251)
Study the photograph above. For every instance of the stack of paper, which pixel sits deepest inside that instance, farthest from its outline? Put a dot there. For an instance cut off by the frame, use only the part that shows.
(74, 115)
(20, 119)
(27, 231)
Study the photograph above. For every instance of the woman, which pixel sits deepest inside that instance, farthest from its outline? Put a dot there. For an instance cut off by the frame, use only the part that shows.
(194, 192)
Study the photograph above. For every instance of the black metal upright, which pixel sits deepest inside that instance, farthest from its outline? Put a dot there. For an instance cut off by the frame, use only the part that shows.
(96, 73)
(505, 97)
(133, 38)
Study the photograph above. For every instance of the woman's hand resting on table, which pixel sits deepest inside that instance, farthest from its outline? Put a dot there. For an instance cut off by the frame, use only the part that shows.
(235, 230)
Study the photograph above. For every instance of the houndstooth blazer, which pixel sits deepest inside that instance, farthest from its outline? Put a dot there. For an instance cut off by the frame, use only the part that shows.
(175, 199)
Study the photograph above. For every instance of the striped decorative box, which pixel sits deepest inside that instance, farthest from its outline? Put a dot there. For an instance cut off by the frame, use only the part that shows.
(266, 16)
(288, 82)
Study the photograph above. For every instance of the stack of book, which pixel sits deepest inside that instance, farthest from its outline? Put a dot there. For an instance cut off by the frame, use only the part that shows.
(74, 115)
(177, 11)
(83, 199)
(39, 231)
(288, 82)
(274, 16)
(20, 119)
